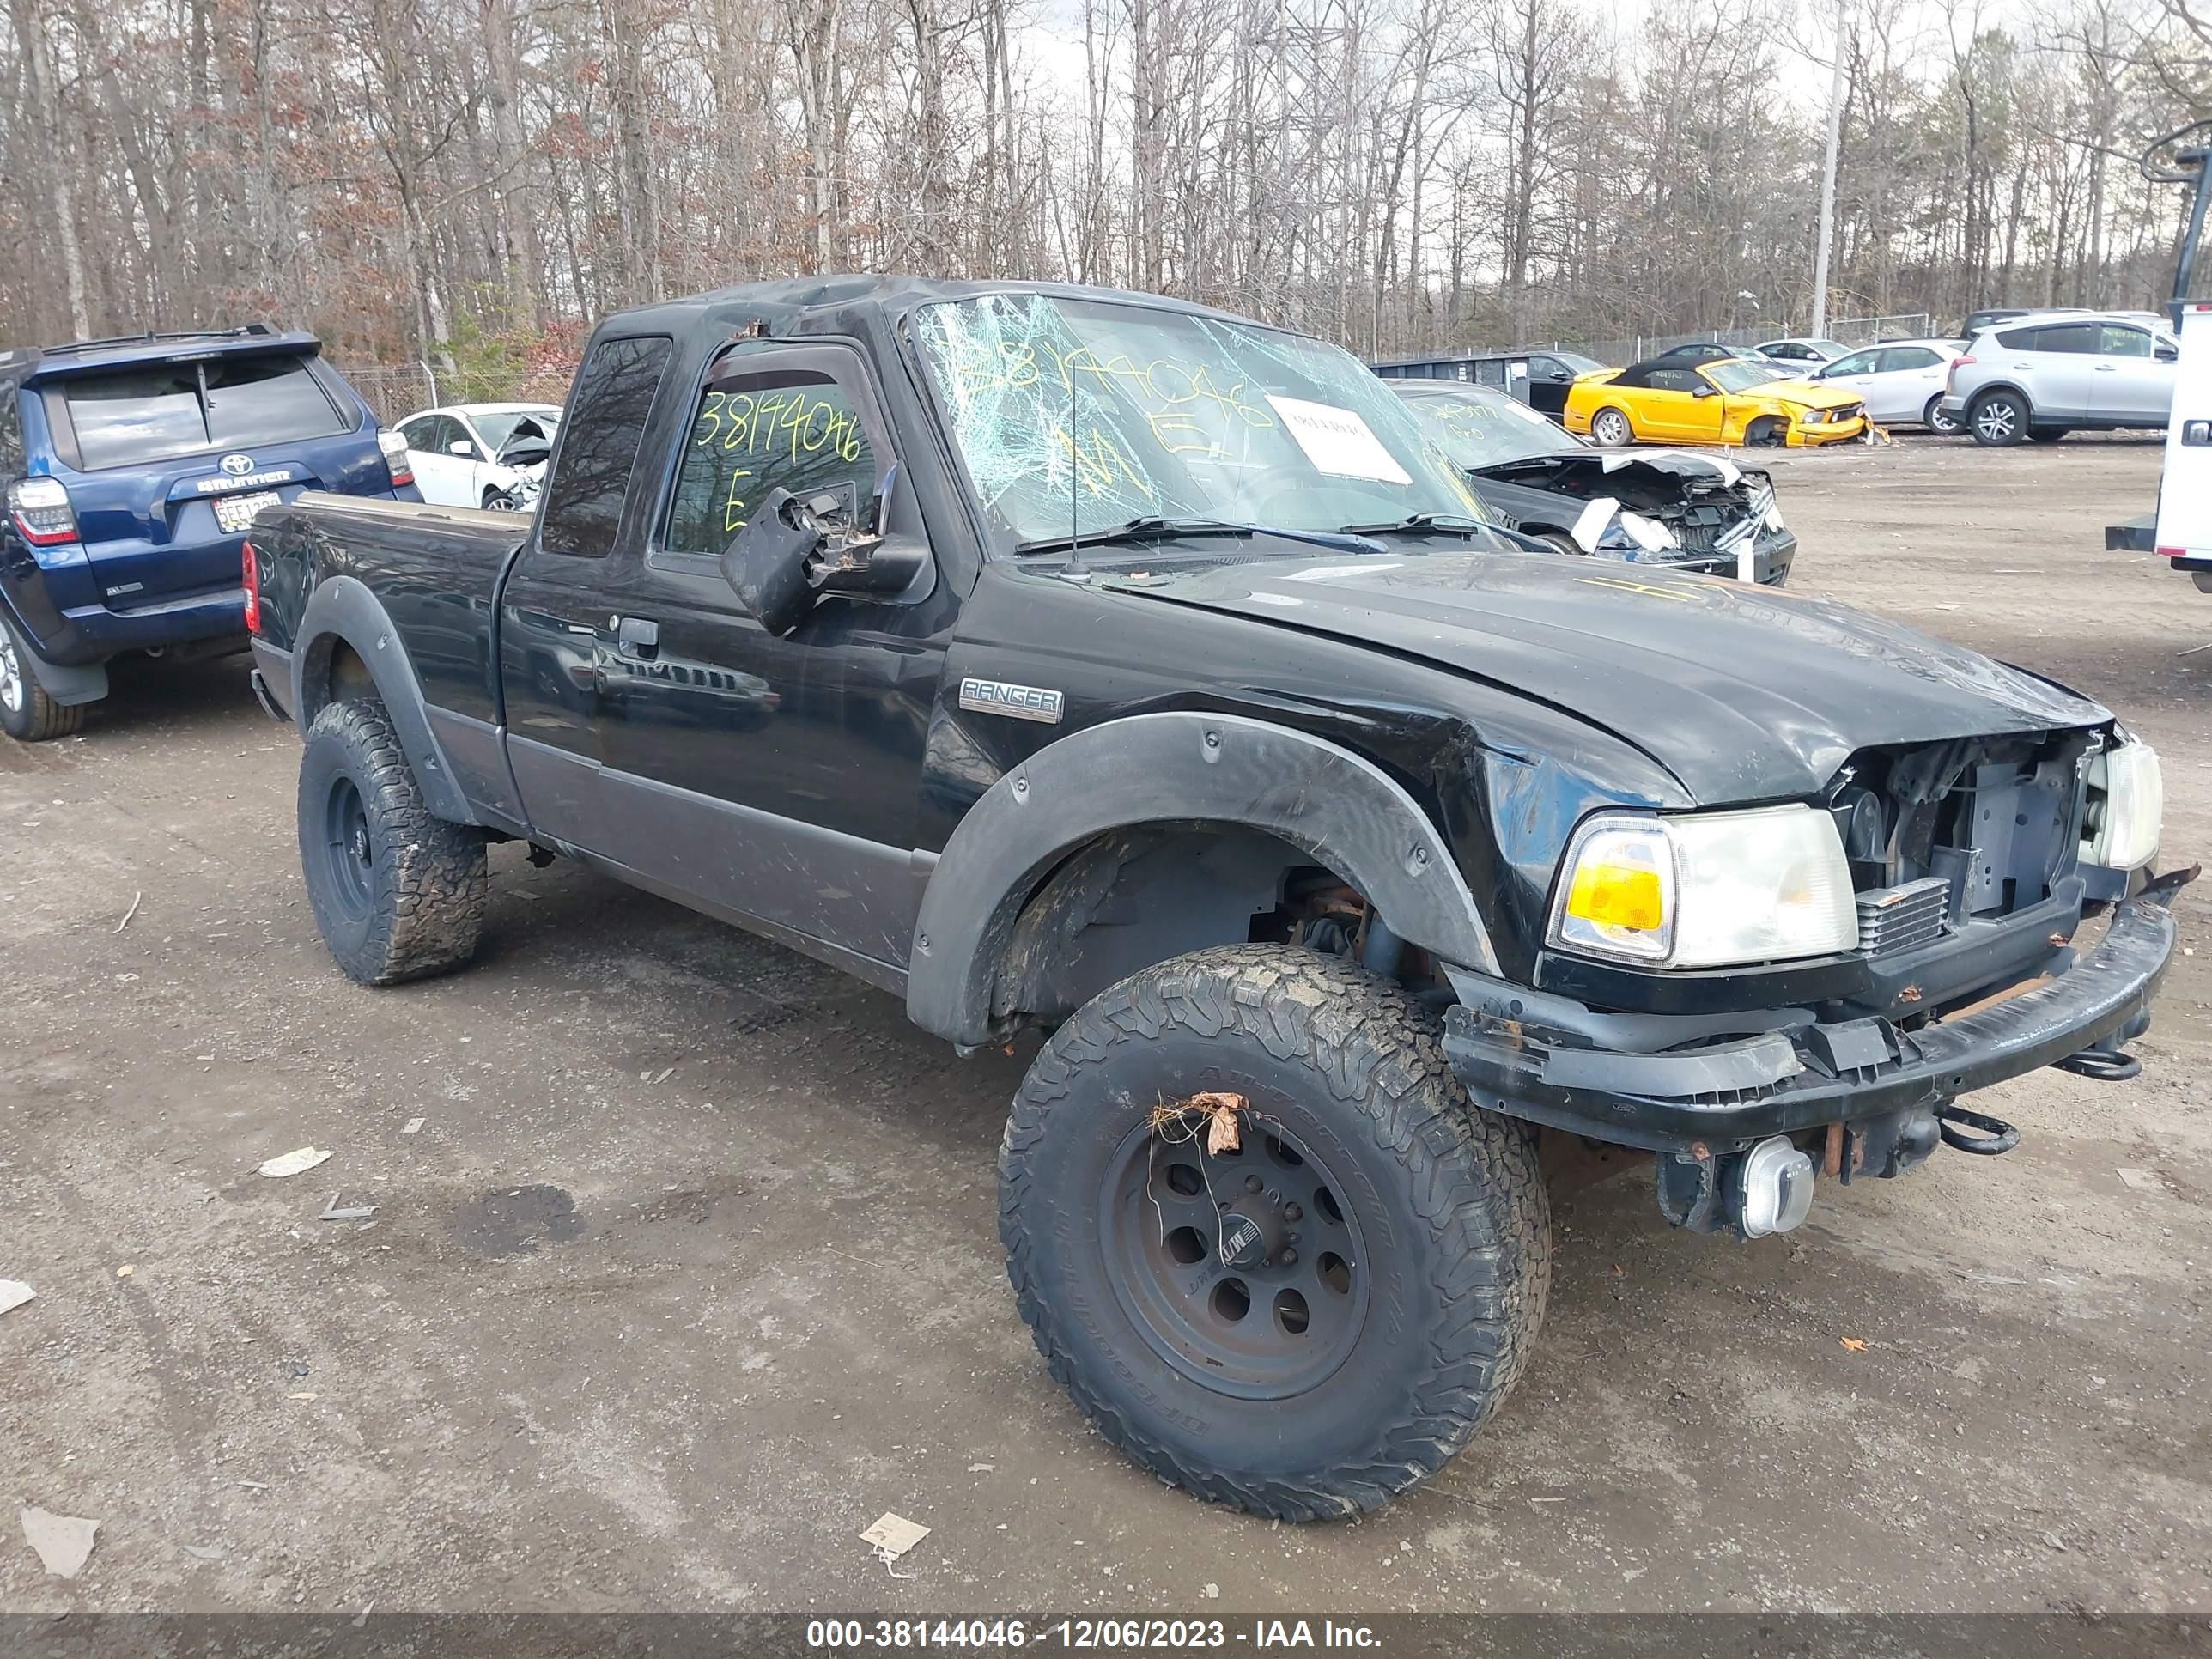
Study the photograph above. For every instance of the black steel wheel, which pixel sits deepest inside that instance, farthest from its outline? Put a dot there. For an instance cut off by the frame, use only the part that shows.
(1308, 1324)
(398, 891)
(1240, 1269)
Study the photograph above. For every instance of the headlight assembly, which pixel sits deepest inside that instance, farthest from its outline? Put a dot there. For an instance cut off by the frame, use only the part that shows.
(2125, 807)
(1708, 890)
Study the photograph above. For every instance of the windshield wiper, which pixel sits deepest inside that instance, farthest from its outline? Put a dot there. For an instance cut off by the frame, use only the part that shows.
(1444, 524)
(1160, 530)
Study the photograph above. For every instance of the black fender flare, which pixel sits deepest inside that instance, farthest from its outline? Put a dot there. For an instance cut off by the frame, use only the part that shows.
(342, 609)
(1342, 810)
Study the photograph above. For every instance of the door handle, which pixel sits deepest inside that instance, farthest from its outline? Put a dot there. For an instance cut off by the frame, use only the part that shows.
(636, 636)
(2105, 368)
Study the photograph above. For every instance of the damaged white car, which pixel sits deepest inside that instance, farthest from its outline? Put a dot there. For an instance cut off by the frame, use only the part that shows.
(1673, 507)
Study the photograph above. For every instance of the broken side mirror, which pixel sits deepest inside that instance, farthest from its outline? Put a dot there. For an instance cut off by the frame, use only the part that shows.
(794, 549)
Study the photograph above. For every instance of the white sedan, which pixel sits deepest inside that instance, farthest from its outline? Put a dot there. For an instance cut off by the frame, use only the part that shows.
(461, 453)
(1899, 380)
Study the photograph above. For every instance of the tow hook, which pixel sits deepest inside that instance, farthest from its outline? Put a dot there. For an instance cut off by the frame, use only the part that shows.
(1997, 1139)
(2105, 1065)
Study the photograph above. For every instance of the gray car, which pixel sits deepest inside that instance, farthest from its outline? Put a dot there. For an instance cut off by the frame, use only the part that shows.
(1901, 381)
(2042, 375)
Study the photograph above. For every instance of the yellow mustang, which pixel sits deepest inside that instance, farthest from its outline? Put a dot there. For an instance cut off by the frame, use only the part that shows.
(1726, 401)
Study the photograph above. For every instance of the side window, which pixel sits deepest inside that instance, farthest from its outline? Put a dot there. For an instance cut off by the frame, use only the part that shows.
(2118, 340)
(1859, 362)
(418, 432)
(2020, 339)
(1897, 358)
(2067, 337)
(1674, 379)
(607, 413)
(1490, 370)
(796, 427)
(11, 433)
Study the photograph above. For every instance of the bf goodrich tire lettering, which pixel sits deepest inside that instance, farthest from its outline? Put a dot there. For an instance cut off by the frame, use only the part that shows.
(1446, 1200)
(398, 893)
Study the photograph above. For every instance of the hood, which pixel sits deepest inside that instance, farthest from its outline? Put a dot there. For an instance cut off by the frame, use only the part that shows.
(1689, 466)
(1745, 694)
(1811, 393)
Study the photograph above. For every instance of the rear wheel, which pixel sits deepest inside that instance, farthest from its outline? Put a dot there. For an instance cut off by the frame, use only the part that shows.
(1998, 419)
(397, 892)
(1936, 421)
(1611, 429)
(26, 713)
(1312, 1321)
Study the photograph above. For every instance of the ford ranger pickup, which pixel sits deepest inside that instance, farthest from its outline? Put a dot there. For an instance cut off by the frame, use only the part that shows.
(1142, 685)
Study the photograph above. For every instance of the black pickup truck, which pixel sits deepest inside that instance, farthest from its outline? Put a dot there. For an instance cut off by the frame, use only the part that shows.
(1112, 669)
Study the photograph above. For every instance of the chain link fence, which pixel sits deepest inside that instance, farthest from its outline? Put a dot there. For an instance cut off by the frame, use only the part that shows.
(395, 391)
(1845, 331)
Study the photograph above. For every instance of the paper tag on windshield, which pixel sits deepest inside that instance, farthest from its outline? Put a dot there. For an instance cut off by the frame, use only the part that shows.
(1337, 442)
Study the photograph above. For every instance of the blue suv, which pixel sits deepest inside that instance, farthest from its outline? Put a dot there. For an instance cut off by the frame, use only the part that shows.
(133, 470)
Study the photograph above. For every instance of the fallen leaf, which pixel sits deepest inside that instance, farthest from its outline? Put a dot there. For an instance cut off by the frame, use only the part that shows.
(1222, 1131)
(63, 1541)
(1855, 1345)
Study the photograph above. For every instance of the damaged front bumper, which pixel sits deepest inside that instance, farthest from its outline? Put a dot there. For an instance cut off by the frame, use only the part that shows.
(1771, 556)
(1718, 1099)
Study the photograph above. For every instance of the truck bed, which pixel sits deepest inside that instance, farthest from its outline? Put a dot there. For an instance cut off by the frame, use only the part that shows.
(435, 569)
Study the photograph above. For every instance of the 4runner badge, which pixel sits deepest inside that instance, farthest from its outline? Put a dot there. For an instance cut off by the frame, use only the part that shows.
(1022, 703)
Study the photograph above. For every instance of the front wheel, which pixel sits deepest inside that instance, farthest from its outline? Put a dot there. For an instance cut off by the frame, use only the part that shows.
(1610, 430)
(397, 892)
(500, 501)
(1309, 1323)
(1998, 419)
(1936, 421)
(26, 713)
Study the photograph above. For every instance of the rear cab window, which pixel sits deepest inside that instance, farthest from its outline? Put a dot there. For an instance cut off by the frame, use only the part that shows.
(591, 480)
(144, 413)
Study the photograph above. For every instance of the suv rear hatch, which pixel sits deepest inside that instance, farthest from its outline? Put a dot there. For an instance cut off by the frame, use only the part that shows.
(167, 454)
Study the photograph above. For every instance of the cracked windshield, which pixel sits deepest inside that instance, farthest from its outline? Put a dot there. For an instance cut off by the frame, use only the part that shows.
(1075, 418)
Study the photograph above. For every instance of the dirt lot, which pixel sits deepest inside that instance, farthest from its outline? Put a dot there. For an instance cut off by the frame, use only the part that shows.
(690, 1271)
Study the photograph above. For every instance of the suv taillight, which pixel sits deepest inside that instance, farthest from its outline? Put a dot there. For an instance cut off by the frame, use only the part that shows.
(396, 459)
(1963, 360)
(42, 513)
(250, 578)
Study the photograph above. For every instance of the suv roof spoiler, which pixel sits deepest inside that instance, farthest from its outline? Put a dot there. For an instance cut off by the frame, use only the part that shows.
(248, 330)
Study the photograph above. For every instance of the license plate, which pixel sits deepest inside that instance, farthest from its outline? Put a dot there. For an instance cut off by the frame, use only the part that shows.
(235, 512)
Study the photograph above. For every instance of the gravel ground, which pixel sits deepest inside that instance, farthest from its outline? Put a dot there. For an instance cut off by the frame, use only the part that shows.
(690, 1270)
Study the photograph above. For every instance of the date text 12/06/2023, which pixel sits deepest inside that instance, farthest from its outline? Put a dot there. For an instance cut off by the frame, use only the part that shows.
(1088, 1635)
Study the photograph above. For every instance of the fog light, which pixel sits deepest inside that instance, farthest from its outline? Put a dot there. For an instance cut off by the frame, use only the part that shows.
(1778, 1187)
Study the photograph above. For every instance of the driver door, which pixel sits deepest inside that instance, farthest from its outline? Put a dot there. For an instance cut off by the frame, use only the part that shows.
(778, 777)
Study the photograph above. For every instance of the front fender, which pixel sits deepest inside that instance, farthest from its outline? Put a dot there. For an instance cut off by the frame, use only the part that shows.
(342, 609)
(1343, 810)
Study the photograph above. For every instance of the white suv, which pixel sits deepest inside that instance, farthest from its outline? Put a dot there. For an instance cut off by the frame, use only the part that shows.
(2042, 375)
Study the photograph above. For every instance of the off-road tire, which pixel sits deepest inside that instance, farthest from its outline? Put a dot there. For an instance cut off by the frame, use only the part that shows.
(1998, 420)
(1605, 435)
(414, 905)
(2047, 434)
(1937, 421)
(1457, 1227)
(26, 713)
